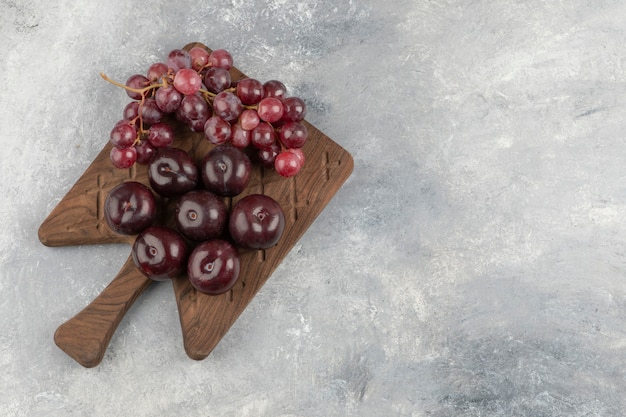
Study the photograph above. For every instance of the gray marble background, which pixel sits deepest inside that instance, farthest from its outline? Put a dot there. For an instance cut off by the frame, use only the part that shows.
(473, 265)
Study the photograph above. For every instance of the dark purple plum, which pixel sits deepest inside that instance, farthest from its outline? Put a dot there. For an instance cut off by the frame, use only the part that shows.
(256, 221)
(213, 267)
(129, 208)
(225, 170)
(160, 253)
(201, 215)
(172, 172)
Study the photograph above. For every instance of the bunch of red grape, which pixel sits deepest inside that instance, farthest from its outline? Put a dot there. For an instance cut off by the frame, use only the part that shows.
(193, 232)
(195, 87)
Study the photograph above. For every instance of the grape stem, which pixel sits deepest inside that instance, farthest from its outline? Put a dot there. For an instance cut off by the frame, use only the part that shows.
(208, 96)
(141, 91)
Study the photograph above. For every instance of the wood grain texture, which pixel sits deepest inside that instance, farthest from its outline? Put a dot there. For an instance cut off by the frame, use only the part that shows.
(86, 336)
(78, 219)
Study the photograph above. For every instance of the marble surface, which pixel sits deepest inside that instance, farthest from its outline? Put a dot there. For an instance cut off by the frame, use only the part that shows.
(473, 265)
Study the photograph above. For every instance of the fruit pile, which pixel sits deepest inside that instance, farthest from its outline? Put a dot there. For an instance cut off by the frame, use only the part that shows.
(195, 87)
(181, 221)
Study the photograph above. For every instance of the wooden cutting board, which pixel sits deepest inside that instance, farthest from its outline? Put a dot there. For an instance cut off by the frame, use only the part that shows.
(78, 219)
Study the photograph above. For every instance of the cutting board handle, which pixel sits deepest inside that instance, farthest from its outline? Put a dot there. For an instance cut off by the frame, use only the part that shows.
(85, 336)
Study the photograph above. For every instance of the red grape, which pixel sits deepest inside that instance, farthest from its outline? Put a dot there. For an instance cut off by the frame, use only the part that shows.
(295, 109)
(123, 135)
(267, 156)
(187, 81)
(156, 71)
(145, 152)
(136, 81)
(123, 158)
(249, 119)
(194, 107)
(194, 111)
(161, 135)
(168, 99)
(274, 88)
(179, 59)
(298, 152)
(221, 58)
(217, 130)
(263, 135)
(217, 79)
(196, 125)
(150, 112)
(249, 91)
(293, 134)
(131, 111)
(199, 57)
(287, 164)
(239, 137)
(270, 109)
(227, 106)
